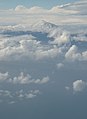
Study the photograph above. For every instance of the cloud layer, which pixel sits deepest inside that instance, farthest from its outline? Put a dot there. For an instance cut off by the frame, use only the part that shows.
(70, 8)
(71, 13)
(42, 41)
(39, 45)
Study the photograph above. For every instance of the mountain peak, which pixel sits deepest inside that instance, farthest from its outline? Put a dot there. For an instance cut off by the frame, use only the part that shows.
(43, 25)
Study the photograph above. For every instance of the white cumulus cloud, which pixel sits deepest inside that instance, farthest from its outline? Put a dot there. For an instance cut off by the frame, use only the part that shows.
(72, 54)
(79, 85)
(27, 79)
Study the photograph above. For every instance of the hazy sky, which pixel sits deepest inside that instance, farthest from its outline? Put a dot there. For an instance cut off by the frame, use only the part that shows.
(30, 3)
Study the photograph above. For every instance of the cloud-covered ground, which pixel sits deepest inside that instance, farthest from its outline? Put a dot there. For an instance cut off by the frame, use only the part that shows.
(43, 57)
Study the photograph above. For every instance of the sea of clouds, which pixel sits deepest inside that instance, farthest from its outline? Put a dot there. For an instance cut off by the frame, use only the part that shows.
(34, 42)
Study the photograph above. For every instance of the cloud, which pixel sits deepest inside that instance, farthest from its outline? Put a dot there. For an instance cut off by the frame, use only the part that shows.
(27, 95)
(32, 10)
(72, 54)
(39, 10)
(78, 7)
(27, 79)
(26, 46)
(6, 93)
(4, 76)
(84, 56)
(72, 13)
(41, 38)
(49, 53)
(42, 41)
(66, 11)
(81, 36)
(79, 85)
(17, 44)
(60, 37)
(67, 88)
(13, 97)
(35, 91)
(30, 95)
(22, 79)
(60, 65)
(20, 8)
(42, 81)
(62, 10)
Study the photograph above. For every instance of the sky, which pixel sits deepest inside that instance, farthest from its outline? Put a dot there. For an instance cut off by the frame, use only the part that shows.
(30, 3)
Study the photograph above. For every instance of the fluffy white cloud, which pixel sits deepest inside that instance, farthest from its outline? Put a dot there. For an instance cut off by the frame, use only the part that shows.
(79, 85)
(26, 46)
(60, 37)
(49, 53)
(72, 53)
(23, 45)
(42, 81)
(22, 79)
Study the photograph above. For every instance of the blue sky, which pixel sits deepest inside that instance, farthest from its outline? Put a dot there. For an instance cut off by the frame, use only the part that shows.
(30, 3)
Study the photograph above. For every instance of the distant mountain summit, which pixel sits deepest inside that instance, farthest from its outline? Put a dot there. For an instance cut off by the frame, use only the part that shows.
(44, 26)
